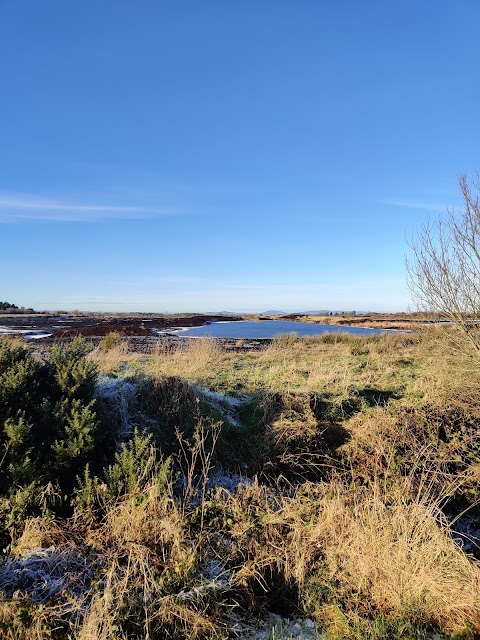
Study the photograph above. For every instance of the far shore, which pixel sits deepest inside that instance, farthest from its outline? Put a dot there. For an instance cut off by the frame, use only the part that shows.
(65, 325)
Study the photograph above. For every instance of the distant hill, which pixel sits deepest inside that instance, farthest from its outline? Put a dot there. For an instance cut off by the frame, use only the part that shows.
(326, 312)
(318, 312)
(277, 312)
(221, 313)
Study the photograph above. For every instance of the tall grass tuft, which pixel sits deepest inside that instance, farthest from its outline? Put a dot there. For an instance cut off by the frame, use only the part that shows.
(371, 550)
(191, 359)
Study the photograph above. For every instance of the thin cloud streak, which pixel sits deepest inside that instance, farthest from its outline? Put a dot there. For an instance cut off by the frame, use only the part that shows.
(151, 281)
(413, 204)
(27, 207)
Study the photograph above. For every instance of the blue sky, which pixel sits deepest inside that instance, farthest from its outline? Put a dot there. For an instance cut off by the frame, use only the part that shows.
(190, 156)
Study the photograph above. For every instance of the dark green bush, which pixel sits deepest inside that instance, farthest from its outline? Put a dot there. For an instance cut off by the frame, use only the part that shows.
(48, 425)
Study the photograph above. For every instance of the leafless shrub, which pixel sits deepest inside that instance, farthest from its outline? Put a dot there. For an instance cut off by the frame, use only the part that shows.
(443, 273)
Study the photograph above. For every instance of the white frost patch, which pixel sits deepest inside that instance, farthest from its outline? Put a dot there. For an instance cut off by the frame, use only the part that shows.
(275, 626)
(215, 583)
(214, 577)
(217, 398)
(44, 573)
(227, 405)
(212, 569)
(219, 478)
(117, 395)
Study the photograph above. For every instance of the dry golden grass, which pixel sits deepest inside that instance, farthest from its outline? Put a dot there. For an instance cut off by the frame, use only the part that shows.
(191, 359)
(403, 322)
(334, 363)
(150, 561)
(12, 621)
(115, 358)
(387, 551)
(39, 533)
(144, 541)
(446, 375)
(394, 552)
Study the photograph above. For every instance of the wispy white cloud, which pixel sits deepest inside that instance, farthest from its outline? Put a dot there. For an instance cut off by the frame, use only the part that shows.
(149, 282)
(30, 208)
(415, 204)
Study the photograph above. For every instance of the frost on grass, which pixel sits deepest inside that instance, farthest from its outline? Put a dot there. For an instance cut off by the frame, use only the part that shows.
(116, 395)
(215, 580)
(276, 627)
(218, 478)
(45, 573)
(227, 405)
(232, 482)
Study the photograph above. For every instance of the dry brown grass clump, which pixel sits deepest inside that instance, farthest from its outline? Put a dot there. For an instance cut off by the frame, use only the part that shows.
(149, 560)
(39, 533)
(395, 552)
(191, 359)
(13, 625)
(297, 435)
(364, 549)
(113, 357)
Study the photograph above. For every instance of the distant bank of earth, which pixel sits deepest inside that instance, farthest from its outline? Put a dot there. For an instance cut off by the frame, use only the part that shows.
(68, 326)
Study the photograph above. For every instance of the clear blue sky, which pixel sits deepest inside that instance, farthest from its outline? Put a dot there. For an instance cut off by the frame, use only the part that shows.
(242, 155)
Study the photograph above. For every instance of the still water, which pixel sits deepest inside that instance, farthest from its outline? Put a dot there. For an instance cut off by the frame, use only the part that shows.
(267, 329)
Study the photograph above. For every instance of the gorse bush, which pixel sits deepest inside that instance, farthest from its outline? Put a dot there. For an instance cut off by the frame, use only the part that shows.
(132, 467)
(110, 341)
(73, 373)
(48, 426)
(22, 381)
(136, 464)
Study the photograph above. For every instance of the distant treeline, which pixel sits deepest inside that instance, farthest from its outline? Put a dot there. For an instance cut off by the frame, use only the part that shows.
(8, 307)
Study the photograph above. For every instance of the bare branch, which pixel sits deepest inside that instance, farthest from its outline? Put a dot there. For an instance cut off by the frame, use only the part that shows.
(443, 273)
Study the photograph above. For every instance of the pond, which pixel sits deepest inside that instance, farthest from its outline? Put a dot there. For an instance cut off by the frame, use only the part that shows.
(265, 329)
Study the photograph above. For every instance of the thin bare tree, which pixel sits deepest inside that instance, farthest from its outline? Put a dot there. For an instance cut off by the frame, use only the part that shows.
(443, 272)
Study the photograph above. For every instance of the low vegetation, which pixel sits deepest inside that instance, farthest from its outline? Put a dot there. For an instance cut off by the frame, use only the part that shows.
(10, 308)
(193, 491)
